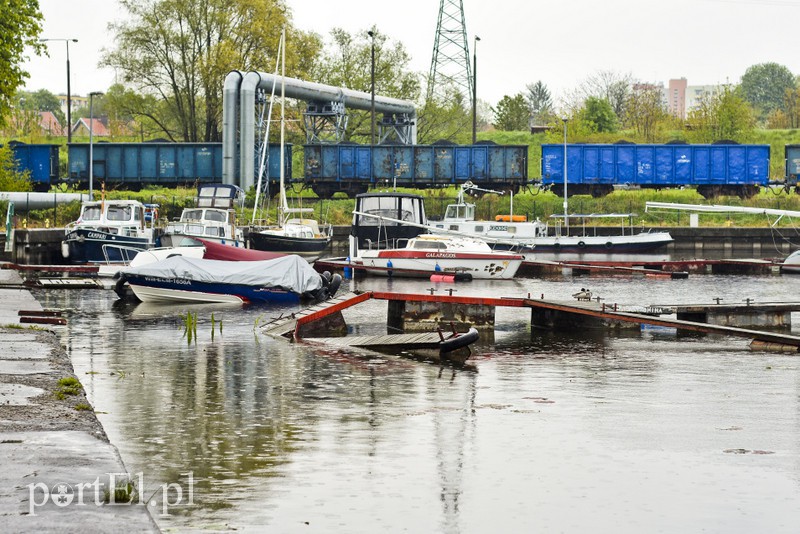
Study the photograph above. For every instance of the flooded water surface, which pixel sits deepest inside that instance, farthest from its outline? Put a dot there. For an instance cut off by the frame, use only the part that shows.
(590, 431)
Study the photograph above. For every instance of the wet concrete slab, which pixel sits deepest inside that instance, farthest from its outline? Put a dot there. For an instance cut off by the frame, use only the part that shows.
(23, 350)
(24, 367)
(18, 394)
(57, 481)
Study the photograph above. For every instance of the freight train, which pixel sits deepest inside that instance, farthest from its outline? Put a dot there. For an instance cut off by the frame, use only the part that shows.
(593, 169)
(717, 169)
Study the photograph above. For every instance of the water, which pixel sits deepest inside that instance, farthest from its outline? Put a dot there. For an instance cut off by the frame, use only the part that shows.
(583, 432)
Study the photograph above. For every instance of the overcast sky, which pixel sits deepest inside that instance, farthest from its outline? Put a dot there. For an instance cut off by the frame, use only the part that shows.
(560, 42)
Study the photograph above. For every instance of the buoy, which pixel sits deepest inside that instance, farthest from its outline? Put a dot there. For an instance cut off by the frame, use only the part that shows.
(389, 267)
(450, 278)
(348, 271)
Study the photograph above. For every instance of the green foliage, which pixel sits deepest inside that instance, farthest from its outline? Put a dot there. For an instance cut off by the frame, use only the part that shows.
(41, 100)
(68, 386)
(10, 178)
(721, 115)
(540, 102)
(512, 113)
(765, 85)
(647, 115)
(19, 29)
(598, 115)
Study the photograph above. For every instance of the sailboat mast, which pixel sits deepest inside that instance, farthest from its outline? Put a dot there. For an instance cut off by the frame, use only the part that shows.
(284, 201)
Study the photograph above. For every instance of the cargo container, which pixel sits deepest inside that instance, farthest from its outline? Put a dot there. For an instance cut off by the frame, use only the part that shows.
(41, 160)
(718, 169)
(354, 168)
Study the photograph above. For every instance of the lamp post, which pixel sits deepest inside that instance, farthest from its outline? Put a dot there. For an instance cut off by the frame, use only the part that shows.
(475, 89)
(69, 94)
(371, 33)
(91, 138)
(566, 217)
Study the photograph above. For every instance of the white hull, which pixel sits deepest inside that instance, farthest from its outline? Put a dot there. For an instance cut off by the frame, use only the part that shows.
(482, 269)
(163, 295)
(792, 263)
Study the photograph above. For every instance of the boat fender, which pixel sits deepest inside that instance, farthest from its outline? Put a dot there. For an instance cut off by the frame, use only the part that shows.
(463, 277)
(458, 341)
(348, 271)
(389, 267)
(65, 249)
(321, 294)
(333, 287)
(326, 277)
(443, 278)
(581, 244)
(119, 287)
(609, 245)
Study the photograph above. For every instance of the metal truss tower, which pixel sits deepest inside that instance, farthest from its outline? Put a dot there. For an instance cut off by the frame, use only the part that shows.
(450, 66)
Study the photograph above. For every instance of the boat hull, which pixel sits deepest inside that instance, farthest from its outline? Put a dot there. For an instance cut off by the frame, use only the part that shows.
(644, 242)
(309, 249)
(151, 289)
(83, 245)
(425, 264)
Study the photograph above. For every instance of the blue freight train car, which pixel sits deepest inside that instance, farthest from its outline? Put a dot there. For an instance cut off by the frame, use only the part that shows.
(723, 169)
(354, 168)
(41, 160)
(792, 155)
(134, 165)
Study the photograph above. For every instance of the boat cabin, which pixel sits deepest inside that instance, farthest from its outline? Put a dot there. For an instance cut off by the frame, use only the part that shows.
(118, 217)
(380, 220)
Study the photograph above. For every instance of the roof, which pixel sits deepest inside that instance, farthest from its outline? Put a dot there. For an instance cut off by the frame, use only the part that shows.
(98, 128)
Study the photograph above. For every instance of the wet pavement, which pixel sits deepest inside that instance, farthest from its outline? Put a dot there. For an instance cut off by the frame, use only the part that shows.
(56, 457)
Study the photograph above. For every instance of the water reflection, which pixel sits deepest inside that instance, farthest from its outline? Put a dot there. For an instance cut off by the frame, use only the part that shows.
(566, 431)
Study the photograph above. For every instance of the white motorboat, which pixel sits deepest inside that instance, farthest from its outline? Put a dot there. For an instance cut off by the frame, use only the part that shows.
(213, 218)
(792, 263)
(517, 233)
(428, 254)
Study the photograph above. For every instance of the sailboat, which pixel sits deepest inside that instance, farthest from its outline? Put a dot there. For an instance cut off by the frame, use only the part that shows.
(292, 235)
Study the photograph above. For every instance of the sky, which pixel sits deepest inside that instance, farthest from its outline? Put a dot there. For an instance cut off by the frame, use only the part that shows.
(560, 42)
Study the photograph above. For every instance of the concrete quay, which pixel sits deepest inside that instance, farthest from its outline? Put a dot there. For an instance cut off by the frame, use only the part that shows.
(56, 457)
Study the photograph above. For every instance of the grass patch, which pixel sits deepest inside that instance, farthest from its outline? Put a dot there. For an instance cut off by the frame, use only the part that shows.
(68, 386)
(82, 406)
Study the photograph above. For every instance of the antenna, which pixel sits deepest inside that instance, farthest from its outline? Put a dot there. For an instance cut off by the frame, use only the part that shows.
(450, 65)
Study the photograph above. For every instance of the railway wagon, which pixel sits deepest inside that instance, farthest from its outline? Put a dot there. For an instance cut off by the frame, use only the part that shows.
(792, 155)
(134, 165)
(41, 160)
(718, 169)
(353, 168)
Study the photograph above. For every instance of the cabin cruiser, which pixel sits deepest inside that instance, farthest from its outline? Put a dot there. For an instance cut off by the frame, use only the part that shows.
(213, 218)
(109, 231)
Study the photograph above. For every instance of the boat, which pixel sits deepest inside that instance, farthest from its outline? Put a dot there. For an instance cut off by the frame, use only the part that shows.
(213, 218)
(515, 232)
(792, 263)
(288, 279)
(219, 251)
(110, 231)
(150, 255)
(390, 236)
(291, 235)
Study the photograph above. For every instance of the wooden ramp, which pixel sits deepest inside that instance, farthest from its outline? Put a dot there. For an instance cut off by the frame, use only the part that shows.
(286, 325)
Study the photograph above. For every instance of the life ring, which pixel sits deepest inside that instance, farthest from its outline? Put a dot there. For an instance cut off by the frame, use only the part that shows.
(609, 245)
(581, 244)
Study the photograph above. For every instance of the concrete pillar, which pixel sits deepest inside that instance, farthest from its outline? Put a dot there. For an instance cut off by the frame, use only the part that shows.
(411, 316)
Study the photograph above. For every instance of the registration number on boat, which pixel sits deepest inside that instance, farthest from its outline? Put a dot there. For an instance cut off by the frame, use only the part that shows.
(440, 255)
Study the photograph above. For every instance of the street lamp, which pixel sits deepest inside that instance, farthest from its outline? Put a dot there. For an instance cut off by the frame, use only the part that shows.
(566, 216)
(372, 77)
(91, 137)
(69, 95)
(475, 90)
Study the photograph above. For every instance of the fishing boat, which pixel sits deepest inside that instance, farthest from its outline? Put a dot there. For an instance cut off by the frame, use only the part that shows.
(213, 218)
(109, 231)
(291, 235)
(515, 232)
(288, 279)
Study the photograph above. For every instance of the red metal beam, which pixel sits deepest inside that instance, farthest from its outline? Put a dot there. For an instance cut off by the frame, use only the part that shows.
(511, 302)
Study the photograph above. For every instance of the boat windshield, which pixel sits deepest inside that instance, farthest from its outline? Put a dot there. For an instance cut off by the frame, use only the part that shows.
(91, 213)
(461, 212)
(430, 245)
(119, 213)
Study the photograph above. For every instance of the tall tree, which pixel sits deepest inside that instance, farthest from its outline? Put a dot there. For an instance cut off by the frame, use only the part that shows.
(511, 113)
(599, 115)
(611, 86)
(42, 100)
(347, 62)
(722, 115)
(20, 27)
(764, 86)
(540, 102)
(179, 52)
(646, 112)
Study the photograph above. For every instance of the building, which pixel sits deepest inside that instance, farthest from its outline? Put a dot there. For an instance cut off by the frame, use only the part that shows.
(81, 127)
(78, 102)
(676, 98)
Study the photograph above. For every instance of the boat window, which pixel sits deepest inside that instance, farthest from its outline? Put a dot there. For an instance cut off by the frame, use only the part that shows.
(454, 227)
(195, 229)
(215, 216)
(119, 213)
(479, 228)
(192, 215)
(91, 213)
(435, 245)
(214, 230)
(512, 230)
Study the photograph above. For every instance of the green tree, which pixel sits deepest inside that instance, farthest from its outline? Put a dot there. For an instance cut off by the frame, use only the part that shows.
(41, 100)
(20, 27)
(511, 113)
(540, 102)
(646, 113)
(764, 86)
(346, 61)
(721, 115)
(597, 112)
(179, 52)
